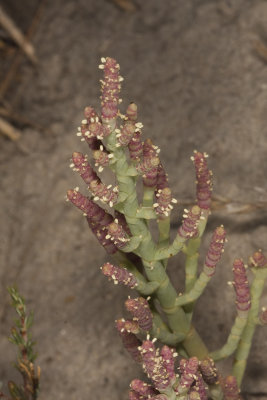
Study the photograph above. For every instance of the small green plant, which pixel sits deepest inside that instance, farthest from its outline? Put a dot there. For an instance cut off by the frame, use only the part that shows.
(121, 220)
(21, 337)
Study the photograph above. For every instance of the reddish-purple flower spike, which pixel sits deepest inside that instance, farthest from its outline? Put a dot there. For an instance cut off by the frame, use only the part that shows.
(81, 165)
(162, 178)
(209, 371)
(188, 369)
(93, 211)
(231, 390)
(215, 250)
(153, 365)
(122, 222)
(117, 235)
(189, 227)
(139, 308)
(167, 355)
(258, 260)
(100, 232)
(126, 134)
(135, 147)
(143, 388)
(119, 275)
(103, 193)
(129, 340)
(110, 88)
(131, 112)
(241, 286)
(204, 180)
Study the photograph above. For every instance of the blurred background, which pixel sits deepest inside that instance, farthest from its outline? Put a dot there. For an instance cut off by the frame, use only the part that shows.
(197, 70)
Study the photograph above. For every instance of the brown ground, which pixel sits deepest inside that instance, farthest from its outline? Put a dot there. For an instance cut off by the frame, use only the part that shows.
(192, 68)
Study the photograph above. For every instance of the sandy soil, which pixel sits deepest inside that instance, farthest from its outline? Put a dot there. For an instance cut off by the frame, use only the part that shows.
(192, 68)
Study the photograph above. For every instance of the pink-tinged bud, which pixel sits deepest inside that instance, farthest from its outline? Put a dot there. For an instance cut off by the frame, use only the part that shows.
(101, 158)
(149, 165)
(143, 388)
(135, 147)
(149, 170)
(110, 88)
(82, 166)
(189, 227)
(97, 130)
(241, 287)
(163, 205)
(131, 327)
(126, 134)
(129, 340)
(258, 260)
(131, 112)
(167, 355)
(209, 371)
(119, 275)
(188, 370)
(101, 233)
(117, 235)
(122, 222)
(139, 308)
(153, 365)
(93, 211)
(103, 193)
(162, 179)
(89, 113)
(215, 250)
(204, 180)
(230, 389)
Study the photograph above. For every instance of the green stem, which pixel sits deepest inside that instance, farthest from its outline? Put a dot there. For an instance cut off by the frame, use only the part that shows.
(232, 341)
(148, 196)
(161, 331)
(195, 292)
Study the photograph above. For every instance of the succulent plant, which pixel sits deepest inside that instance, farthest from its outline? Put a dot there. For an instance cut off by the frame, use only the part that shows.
(121, 222)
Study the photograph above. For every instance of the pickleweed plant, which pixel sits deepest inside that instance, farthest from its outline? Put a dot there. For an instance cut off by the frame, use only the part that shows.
(160, 334)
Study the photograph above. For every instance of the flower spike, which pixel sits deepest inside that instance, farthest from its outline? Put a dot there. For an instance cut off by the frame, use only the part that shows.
(204, 180)
(119, 275)
(215, 250)
(140, 309)
(241, 286)
(190, 223)
(129, 340)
